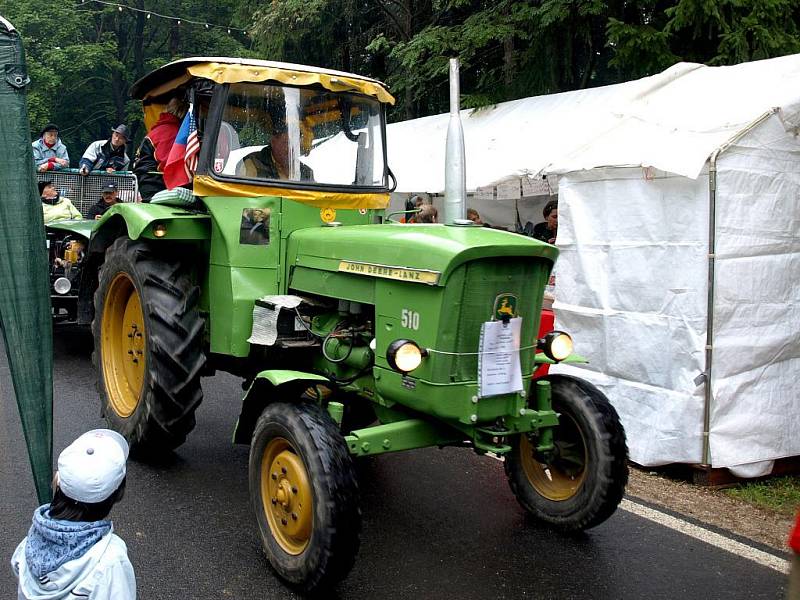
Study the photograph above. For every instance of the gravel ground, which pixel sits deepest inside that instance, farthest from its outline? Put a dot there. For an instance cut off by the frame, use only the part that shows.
(712, 507)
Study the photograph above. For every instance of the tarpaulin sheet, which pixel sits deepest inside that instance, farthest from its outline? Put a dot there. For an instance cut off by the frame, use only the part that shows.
(754, 409)
(671, 121)
(631, 288)
(631, 285)
(24, 286)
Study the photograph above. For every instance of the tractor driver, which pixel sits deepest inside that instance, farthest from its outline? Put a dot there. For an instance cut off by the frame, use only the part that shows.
(275, 160)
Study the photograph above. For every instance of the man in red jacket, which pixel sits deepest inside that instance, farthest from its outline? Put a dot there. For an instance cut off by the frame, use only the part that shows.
(154, 149)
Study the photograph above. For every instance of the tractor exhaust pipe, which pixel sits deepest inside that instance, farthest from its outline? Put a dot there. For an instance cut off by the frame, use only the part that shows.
(455, 170)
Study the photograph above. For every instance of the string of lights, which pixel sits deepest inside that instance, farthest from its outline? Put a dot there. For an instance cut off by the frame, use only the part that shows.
(179, 20)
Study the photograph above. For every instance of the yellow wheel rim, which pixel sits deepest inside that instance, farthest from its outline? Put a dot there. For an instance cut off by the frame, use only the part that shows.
(286, 496)
(562, 477)
(123, 345)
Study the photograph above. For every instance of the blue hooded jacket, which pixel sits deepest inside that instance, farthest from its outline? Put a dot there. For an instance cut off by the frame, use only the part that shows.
(63, 559)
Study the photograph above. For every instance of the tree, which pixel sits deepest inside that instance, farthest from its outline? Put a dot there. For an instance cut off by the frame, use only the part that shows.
(83, 58)
(657, 34)
(507, 49)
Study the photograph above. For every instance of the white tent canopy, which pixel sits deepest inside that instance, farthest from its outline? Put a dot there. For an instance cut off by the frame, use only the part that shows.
(672, 121)
(654, 175)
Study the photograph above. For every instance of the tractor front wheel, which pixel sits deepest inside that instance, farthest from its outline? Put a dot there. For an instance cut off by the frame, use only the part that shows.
(304, 494)
(148, 345)
(581, 483)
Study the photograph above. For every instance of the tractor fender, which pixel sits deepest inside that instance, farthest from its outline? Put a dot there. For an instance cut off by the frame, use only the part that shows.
(269, 386)
(138, 220)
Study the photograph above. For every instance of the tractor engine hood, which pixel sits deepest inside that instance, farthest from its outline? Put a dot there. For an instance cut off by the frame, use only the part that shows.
(425, 253)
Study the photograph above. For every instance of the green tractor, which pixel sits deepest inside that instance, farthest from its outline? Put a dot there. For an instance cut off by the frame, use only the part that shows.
(354, 335)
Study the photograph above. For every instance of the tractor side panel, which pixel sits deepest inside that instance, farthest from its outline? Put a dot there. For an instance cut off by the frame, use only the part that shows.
(245, 253)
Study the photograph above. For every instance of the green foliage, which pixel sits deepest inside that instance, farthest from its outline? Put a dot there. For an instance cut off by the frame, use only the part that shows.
(639, 49)
(717, 32)
(83, 57)
(762, 30)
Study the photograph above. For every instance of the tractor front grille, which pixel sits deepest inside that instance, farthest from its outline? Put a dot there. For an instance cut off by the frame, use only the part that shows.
(468, 302)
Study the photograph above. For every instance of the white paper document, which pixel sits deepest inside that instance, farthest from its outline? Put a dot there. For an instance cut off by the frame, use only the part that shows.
(499, 369)
(265, 320)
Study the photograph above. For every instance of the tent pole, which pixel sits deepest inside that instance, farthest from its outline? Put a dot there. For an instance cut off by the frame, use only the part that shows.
(712, 216)
(712, 205)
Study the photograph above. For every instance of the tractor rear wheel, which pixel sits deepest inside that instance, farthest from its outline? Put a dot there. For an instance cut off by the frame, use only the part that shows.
(304, 494)
(582, 482)
(148, 346)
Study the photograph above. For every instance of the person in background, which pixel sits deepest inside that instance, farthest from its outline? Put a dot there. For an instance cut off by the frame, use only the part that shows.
(428, 214)
(107, 155)
(474, 216)
(107, 200)
(152, 154)
(55, 207)
(547, 230)
(413, 203)
(794, 570)
(71, 550)
(49, 153)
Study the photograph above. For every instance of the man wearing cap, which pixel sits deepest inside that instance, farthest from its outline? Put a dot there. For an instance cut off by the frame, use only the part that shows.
(49, 153)
(71, 550)
(107, 155)
(107, 200)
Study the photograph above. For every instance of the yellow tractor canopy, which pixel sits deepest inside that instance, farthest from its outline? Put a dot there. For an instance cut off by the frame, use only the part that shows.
(153, 87)
(156, 88)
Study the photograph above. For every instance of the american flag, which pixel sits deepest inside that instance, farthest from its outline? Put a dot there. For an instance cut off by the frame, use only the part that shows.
(182, 161)
(192, 146)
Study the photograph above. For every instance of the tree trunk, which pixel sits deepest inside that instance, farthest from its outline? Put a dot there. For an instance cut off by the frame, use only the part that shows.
(508, 61)
(119, 87)
(408, 33)
(508, 54)
(138, 41)
(174, 39)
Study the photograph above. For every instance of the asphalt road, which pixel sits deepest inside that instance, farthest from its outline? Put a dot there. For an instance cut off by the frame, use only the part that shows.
(437, 523)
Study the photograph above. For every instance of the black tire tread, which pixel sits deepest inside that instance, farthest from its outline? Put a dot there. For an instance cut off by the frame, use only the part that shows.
(174, 331)
(338, 544)
(612, 474)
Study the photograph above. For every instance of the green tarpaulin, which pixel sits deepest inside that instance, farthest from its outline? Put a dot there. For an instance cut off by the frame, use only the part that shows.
(24, 283)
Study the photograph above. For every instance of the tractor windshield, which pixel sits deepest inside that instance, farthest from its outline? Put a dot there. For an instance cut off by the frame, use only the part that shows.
(278, 133)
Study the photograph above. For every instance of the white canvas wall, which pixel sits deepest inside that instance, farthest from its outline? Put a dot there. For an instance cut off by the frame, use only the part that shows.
(631, 287)
(755, 412)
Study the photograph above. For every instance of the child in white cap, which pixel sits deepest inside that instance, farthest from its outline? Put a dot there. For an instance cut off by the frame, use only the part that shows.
(71, 550)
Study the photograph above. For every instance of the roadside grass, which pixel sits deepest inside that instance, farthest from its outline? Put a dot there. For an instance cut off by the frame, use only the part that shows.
(781, 494)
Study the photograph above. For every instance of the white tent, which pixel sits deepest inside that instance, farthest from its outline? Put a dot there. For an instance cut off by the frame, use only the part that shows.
(665, 184)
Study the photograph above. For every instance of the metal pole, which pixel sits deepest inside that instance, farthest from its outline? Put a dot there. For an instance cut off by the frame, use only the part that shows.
(712, 242)
(455, 174)
(712, 216)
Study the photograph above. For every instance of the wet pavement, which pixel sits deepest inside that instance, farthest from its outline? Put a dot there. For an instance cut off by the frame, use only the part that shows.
(437, 523)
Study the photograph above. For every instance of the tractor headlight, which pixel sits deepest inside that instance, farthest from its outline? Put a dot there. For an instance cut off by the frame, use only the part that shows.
(556, 345)
(404, 355)
(62, 285)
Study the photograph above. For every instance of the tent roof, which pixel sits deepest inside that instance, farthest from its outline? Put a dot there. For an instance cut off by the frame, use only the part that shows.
(672, 121)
